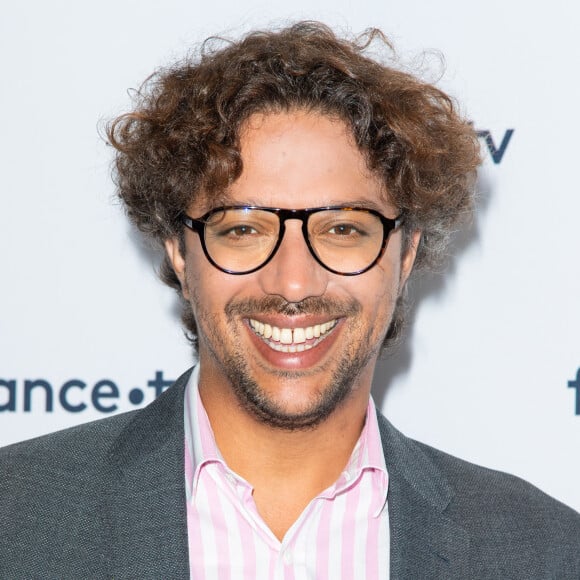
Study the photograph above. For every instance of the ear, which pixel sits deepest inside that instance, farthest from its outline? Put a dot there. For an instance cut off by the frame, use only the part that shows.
(178, 262)
(409, 257)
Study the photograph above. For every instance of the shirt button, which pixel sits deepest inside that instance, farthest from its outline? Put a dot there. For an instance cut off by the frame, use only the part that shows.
(287, 557)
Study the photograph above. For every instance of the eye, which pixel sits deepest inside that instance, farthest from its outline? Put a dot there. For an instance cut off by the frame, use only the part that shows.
(239, 231)
(344, 230)
(238, 234)
(235, 229)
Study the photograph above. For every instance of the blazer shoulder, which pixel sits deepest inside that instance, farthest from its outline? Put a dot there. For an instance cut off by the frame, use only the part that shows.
(56, 491)
(81, 449)
(467, 485)
(479, 484)
(514, 529)
(504, 513)
(76, 446)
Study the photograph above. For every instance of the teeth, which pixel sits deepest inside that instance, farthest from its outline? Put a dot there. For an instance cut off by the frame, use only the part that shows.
(285, 348)
(267, 331)
(299, 335)
(285, 336)
(288, 339)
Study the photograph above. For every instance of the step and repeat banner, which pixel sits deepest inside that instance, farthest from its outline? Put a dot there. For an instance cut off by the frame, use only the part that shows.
(490, 369)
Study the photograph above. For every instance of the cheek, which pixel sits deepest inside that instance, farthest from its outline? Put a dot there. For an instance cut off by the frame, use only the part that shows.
(384, 306)
(204, 292)
(200, 284)
(386, 283)
(210, 290)
(376, 291)
(381, 297)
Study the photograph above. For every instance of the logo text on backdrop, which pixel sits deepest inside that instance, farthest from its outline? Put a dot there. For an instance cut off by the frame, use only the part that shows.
(73, 395)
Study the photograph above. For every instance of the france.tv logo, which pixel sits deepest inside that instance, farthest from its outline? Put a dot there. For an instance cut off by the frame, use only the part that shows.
(495, 148)
(74, 395)
(575, 384)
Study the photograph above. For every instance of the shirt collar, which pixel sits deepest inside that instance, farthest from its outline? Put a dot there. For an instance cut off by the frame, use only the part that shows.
(367, 460)
(201, 449)
(200, 445)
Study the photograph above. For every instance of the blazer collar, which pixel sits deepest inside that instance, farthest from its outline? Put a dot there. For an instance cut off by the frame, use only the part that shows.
(425, 542)
(146, 499)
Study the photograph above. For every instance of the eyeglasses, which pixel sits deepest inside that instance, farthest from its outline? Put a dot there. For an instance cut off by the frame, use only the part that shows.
(242, 239)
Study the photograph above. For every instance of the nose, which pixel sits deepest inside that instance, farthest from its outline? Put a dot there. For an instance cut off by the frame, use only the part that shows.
(293, 273)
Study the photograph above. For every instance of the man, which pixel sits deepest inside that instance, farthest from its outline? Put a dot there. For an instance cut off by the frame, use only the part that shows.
(294, 184)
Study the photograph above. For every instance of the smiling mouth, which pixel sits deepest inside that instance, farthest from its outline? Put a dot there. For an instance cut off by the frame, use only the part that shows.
(292, 339)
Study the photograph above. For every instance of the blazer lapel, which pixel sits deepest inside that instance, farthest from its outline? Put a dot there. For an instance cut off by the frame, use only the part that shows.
(425, 543)
(146, 499)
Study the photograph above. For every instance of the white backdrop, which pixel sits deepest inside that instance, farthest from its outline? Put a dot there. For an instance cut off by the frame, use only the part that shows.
(485, 371)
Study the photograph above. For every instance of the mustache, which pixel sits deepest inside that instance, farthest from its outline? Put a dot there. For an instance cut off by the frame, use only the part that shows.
(278, 305)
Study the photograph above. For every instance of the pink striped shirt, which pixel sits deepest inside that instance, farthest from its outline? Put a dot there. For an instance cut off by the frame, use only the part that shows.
(343, 533)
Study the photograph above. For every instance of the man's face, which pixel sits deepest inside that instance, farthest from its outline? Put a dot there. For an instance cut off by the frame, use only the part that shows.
(293, 160)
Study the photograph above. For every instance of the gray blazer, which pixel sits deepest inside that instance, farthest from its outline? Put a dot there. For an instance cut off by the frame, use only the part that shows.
(106, 500)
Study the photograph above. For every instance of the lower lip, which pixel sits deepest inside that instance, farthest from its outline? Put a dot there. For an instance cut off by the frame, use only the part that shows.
(296, 360)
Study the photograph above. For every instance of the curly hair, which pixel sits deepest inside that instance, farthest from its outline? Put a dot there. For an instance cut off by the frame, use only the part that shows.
(181, 141)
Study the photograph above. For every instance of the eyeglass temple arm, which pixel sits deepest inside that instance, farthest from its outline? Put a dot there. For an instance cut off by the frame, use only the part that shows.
(192, 224)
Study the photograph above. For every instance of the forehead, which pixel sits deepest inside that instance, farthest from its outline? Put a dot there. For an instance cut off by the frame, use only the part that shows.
(301, 159)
